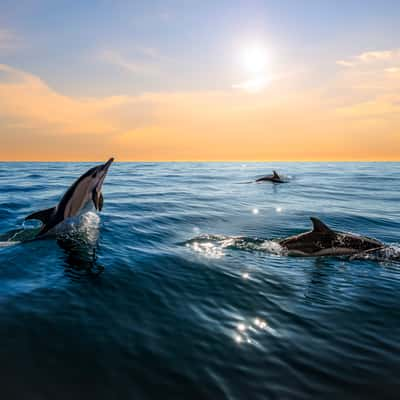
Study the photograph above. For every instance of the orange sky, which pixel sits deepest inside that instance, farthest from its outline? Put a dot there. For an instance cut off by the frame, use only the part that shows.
(180, 81)
(355, 115)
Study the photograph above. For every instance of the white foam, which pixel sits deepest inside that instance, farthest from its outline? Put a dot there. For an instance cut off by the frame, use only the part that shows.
(8, 243)
(215, 245)
(86, 224)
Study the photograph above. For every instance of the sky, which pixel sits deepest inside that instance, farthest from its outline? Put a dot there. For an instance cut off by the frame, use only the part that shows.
(212, 80)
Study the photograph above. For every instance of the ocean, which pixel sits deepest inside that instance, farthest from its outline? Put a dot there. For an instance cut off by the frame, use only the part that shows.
(175, 290)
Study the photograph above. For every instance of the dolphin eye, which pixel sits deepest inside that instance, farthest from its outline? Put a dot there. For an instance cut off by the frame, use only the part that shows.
(94, 174)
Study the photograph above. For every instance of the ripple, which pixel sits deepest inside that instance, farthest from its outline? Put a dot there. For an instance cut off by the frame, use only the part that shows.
(142, 296)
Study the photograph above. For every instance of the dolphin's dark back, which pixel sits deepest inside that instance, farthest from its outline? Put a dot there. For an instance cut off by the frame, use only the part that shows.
(271, 178)
(322, 240)
(309, 242)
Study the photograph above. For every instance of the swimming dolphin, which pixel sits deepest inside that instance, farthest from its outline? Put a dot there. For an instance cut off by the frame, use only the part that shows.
(323, 241)
(275, 178)
(86, 189)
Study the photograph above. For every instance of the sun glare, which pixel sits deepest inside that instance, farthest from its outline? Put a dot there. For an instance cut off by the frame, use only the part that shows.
(254, 59)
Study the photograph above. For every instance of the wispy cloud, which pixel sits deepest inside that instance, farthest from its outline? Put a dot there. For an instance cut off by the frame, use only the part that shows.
(344, 63)
(253, 85)
(26, 99)
(142, 60)
(393, 70)
(370, 57)
(140, 67)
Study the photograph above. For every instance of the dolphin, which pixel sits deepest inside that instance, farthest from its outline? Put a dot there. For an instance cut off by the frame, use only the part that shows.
(275, 178)
(323, 241)
(84, 191)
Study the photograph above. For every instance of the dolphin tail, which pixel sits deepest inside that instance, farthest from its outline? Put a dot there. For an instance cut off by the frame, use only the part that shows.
(43, 215)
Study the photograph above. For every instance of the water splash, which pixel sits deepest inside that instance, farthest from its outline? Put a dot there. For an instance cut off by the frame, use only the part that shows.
(86, 224)
(17, 236)
(213, 246)
(8, 243)
(390, 253)
(77, 236)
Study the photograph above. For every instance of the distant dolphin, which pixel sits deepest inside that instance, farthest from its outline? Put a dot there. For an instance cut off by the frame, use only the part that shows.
(323, 241)
(275, 178)
(85, 190)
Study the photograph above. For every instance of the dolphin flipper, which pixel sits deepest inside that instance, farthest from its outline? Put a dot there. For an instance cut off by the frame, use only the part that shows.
(101, 201)
(43, 215)
(275, 175)
(98, 200)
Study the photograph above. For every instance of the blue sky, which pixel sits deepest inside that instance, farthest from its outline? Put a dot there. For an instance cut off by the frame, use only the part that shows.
(193, 44)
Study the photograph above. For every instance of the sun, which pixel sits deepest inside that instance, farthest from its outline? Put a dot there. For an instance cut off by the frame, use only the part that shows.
(254, 59)
(255, 62)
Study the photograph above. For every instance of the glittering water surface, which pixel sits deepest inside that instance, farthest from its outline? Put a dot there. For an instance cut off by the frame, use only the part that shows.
(177, 291)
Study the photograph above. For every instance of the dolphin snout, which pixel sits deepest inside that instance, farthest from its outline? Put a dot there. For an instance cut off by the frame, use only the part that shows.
(108, 163)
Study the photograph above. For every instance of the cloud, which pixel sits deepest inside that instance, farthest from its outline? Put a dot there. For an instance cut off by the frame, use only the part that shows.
(344, 63)
(355, 116)
(253, 85)
(370, 57)
(368, 96)
(143, 65)
(26, 100)
(393, 70)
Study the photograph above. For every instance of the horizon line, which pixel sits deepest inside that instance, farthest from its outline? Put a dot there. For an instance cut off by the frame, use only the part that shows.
(206, 161)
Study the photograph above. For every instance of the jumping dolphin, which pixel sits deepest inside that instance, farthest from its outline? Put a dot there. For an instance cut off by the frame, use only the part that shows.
(86, 189)
(275, 178)
(323, 241)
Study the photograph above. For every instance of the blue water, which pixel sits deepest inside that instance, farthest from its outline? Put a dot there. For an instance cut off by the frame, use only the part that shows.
(176, 291)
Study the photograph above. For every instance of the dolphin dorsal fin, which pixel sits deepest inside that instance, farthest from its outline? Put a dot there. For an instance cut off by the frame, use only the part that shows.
(319, 226)
(42, 215)
(276, 175)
